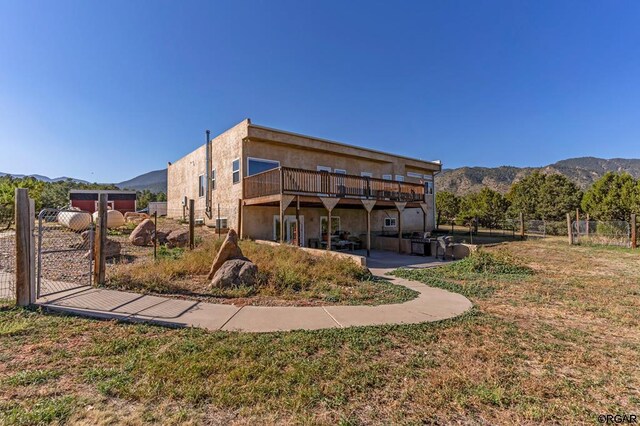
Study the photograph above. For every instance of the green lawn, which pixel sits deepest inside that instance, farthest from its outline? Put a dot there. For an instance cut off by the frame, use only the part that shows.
(557, 341)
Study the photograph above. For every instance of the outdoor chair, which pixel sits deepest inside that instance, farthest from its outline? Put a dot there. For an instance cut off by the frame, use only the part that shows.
(443, 243)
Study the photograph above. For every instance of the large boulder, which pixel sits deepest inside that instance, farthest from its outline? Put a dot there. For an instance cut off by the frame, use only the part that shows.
(228, 250)
(143, 234)
(178, 238)
(235, 273)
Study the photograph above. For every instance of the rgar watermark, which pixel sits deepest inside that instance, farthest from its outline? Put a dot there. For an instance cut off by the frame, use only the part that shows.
(618, 419)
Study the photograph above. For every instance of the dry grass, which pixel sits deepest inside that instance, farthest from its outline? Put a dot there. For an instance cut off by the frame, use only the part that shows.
(560, 346)
(286, 276)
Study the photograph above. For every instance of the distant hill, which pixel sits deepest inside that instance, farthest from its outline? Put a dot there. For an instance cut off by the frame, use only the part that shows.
(155, 181)
(44, 178)
(583, 171)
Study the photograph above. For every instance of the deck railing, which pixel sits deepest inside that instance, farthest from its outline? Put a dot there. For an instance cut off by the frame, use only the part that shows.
(286, 180)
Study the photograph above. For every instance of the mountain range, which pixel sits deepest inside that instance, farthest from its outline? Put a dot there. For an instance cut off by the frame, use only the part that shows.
(583, 171)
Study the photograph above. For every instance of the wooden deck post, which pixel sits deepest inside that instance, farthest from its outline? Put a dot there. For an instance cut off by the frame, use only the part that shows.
(240, 219)
(368, 206)
(329, 229)
(192, 223)
(298, 238)
(634, 241)
(329, 204)
(400, 207)
(100, 241)
(24, 217)
(569, 232)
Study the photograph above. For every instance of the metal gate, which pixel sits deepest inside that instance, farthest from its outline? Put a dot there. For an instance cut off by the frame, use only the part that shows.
(64, 251)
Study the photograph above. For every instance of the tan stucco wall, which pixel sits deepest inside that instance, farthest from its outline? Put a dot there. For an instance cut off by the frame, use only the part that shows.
(258, 221)
(182, 177)
(246, 140)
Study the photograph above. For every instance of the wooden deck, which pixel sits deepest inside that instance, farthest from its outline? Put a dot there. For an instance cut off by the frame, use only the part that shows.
(269, 185)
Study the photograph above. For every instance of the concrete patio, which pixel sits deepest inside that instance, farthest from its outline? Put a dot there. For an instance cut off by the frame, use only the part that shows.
(432, 304)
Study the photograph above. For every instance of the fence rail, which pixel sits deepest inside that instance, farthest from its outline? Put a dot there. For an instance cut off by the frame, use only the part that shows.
(288, 180)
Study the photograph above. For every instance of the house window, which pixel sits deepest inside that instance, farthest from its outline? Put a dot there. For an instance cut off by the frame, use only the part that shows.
(236, 171)
(340, 171)
(366, 174)
(213, 179)
(201, 186)
(414, 175)
(221, 223)
(387, 177)
(428, 187)
(335, 224)
(389, 222)
(259, 165)
(400, 178)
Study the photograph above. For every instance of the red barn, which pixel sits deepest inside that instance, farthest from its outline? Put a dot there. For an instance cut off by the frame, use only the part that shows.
(87, 200)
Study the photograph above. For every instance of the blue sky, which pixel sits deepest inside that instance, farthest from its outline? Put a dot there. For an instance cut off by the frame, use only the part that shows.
(108, 90)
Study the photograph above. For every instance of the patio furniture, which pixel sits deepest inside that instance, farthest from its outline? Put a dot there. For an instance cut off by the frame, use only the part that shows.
(443, 243)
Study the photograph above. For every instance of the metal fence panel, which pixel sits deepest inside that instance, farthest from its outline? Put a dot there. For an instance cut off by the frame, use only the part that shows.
(65, 250)
(611, 233)
(7, 264)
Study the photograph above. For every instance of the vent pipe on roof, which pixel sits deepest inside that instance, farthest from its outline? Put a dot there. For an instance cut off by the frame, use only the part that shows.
(207, 186)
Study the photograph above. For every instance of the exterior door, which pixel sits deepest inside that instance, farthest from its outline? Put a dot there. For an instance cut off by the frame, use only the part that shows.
(289, 229)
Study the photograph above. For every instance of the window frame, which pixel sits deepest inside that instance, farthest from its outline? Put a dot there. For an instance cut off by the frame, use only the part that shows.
(202, 189)
(219, 221)
(265, 160)
(213, 179)
(233, 172)
(387, 177)
(340, 171)
(393, 222)
(399, 178)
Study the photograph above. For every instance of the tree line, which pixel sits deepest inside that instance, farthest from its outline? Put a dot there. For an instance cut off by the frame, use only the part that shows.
(543, 197)
(56, 194)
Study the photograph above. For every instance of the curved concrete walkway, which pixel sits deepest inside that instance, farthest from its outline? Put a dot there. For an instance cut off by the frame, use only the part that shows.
(432, 304)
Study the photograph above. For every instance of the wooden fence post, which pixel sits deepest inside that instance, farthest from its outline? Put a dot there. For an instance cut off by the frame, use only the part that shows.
(569, 233)
(192, 224)
(634, 241)
(23, 219)
(100, 242)
(521, 226)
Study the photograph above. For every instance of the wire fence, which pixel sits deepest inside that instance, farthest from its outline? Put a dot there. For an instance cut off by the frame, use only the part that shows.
(64, 250)
(610, 233)
(7, 263)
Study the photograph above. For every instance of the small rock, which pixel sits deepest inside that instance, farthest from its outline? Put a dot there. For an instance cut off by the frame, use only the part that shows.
(234, 273)
(178, 238)
(161, 237)
(143, 234)
(111, 249)
(228, 250)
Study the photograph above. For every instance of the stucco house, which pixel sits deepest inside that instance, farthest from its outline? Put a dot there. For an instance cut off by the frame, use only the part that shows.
(324, 192)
